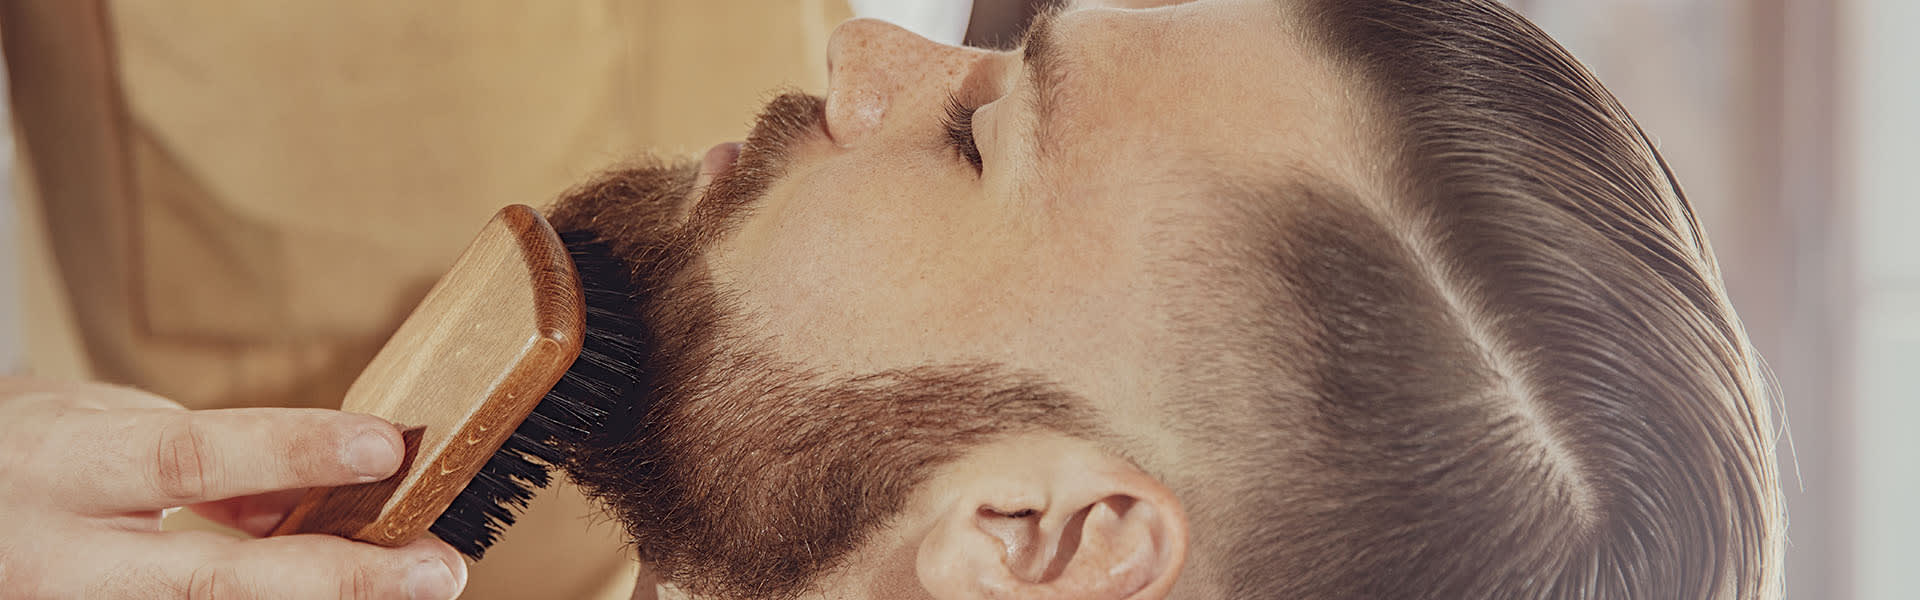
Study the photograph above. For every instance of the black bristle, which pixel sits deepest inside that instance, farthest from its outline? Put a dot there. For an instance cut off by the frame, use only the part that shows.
(578, 406)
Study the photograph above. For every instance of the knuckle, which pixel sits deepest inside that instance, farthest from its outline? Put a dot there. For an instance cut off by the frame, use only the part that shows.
(183, 461)
(215, 581)
(361, 584)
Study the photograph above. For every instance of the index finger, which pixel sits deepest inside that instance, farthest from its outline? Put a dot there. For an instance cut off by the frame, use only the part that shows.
(133, 460)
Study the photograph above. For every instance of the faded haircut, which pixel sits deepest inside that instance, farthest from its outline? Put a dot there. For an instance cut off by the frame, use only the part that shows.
(1517, 376)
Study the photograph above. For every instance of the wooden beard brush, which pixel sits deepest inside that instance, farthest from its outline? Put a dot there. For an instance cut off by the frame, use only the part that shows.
(521, 349)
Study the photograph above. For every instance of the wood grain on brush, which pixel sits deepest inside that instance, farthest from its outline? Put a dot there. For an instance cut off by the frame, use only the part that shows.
(483, 347)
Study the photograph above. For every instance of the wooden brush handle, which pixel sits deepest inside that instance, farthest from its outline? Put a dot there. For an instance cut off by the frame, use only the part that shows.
(459, 375)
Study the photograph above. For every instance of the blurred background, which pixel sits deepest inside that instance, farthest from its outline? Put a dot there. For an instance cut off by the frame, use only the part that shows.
(1792, 125)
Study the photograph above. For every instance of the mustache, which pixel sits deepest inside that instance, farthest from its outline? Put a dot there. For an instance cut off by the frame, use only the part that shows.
(652, 216)
(789, 117)
(787, 120)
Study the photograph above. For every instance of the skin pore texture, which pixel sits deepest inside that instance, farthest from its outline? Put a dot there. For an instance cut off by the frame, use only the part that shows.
(882, 249)
(881, 371)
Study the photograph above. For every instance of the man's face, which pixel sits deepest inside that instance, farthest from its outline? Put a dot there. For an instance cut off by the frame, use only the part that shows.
(847, 301)
(881, 246)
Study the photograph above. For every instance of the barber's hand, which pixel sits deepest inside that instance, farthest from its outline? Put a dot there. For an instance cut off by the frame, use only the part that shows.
(86, 470)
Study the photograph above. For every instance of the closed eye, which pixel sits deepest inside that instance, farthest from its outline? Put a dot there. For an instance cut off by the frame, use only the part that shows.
(959, 128)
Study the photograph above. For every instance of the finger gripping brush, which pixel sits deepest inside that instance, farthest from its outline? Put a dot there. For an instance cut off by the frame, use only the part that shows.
(523, 348)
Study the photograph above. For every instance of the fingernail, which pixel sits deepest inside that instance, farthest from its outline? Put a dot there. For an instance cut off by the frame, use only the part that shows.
(431, 580)
(370, 456)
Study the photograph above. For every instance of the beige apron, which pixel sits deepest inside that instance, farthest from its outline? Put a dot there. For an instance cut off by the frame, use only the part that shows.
(232, 203)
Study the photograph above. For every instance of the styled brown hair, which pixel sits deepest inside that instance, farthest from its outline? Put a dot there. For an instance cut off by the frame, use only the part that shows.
(1516, 376)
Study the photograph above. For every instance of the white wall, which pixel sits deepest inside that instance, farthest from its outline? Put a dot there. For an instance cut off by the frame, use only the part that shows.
(1882, 145)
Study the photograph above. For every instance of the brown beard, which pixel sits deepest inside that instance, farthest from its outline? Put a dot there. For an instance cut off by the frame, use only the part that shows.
(738, 474)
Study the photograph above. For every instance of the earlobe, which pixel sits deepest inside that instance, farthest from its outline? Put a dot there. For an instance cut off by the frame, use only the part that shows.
(1075, 524)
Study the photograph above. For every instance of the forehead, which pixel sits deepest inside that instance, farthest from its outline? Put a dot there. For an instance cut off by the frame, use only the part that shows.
(1160, 97)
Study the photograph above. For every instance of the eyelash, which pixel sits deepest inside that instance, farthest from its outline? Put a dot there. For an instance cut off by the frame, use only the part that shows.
(958, 124)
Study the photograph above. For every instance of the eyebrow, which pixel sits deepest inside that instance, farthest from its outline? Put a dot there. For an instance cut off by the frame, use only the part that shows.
(1044, 63)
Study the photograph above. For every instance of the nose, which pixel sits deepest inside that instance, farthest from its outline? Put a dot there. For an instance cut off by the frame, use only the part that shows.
(876, 69)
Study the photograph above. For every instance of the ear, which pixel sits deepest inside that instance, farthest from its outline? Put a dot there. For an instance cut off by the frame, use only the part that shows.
(1050, 517)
